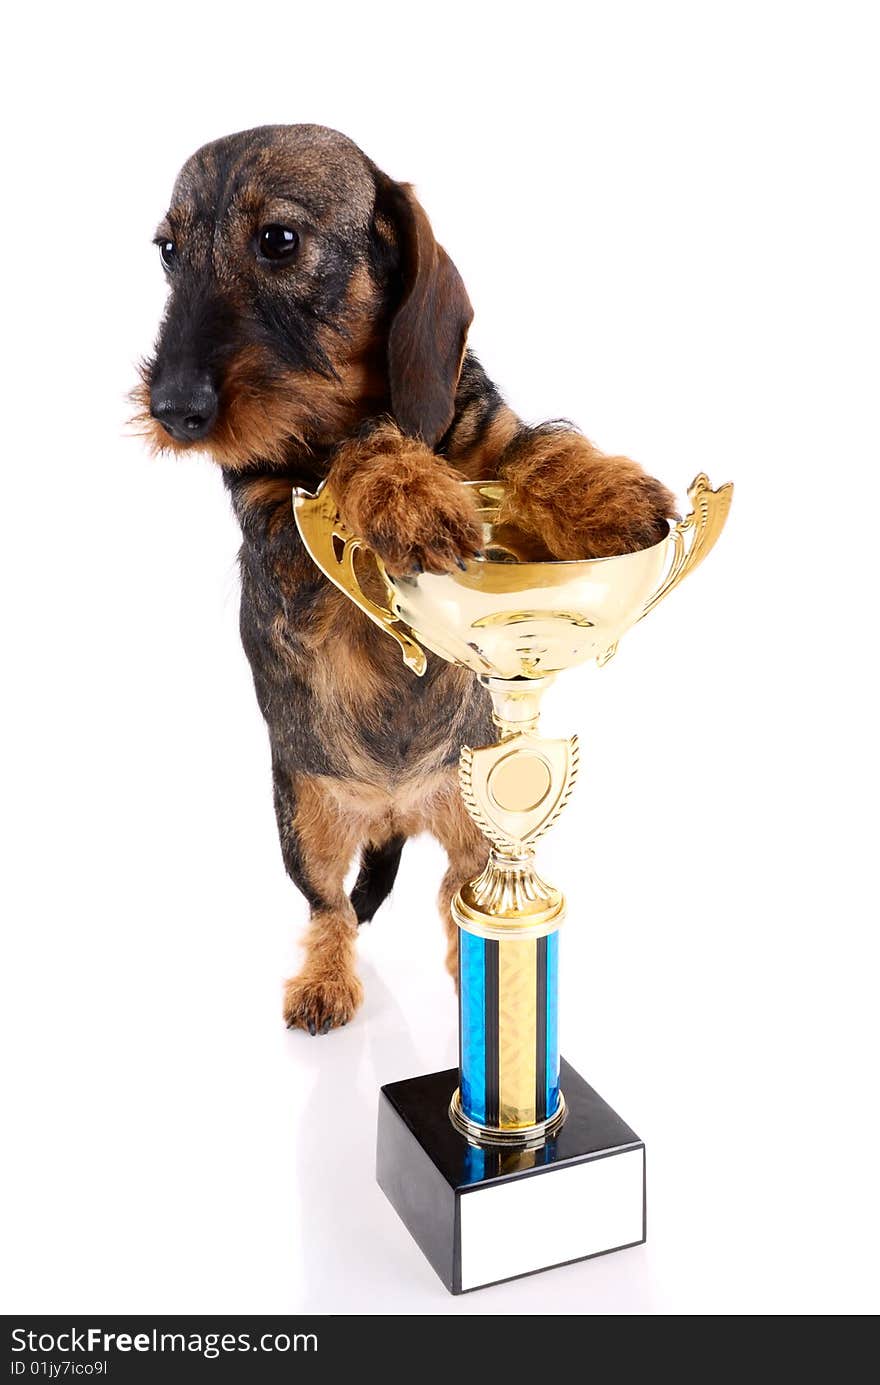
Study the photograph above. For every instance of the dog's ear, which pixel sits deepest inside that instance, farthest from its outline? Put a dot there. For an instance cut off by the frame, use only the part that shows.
(426, 340)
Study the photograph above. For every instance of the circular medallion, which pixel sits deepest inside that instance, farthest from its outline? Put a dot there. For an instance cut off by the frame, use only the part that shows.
(520, 782)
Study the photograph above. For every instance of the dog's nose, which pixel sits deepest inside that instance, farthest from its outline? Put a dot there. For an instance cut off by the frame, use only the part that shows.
(186, 406)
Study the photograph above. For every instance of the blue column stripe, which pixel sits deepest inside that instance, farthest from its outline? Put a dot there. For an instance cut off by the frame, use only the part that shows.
(552, 1023)
(472, 982)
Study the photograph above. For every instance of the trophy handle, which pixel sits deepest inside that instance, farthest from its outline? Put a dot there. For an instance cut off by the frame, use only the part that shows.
(701, 527)
(332, 546)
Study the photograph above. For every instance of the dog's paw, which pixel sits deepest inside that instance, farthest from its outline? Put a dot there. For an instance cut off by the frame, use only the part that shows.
(407, 504)
(320, 1003)
(582, 503)
(433, 527)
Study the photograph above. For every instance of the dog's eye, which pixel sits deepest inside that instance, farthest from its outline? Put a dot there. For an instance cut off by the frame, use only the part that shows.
(168, 251)
(277, 242)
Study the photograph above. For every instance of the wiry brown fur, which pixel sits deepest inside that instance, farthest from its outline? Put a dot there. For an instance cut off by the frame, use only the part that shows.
(582, 503)
(351, 362)
(405, 502)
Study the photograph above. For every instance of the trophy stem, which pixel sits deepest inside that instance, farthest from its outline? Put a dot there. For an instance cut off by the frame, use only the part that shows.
(516, 702)
(508, 920)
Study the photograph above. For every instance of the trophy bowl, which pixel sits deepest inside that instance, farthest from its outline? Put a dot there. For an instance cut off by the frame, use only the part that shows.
(505, 615)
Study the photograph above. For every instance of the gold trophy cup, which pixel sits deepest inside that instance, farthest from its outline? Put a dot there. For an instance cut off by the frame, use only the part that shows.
(512, 1109)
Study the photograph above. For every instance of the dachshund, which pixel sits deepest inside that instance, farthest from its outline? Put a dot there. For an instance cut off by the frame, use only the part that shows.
(314, 328)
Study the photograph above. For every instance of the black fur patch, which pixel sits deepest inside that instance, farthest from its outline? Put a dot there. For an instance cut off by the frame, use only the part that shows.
(379, 866)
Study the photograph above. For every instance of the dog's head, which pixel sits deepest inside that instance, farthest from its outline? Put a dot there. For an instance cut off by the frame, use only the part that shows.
(307, 292)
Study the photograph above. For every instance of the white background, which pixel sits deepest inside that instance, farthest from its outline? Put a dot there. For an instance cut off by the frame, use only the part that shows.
(667, 219)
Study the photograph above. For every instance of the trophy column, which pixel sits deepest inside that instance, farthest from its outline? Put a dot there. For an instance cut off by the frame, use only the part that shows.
(508, 1039)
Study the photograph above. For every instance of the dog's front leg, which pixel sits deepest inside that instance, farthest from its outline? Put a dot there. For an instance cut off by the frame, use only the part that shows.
(404, 501)
(318, 841)
(578, 501)
(572, 499)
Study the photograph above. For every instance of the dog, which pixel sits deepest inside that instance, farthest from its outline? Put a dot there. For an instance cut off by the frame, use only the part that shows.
(314, 328)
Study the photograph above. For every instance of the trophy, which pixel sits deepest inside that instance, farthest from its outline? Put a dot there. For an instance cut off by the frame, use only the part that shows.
(511, 1163)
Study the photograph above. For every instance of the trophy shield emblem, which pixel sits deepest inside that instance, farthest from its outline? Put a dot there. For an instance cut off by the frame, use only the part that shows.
(515, 790)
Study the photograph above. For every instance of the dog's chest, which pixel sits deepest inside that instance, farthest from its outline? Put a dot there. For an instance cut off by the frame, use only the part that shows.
(344, 694)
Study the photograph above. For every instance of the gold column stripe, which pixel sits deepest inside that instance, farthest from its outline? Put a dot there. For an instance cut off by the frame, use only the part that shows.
(517, 980)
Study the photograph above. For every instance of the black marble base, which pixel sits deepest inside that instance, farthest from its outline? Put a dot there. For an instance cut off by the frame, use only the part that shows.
(482, 1216)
